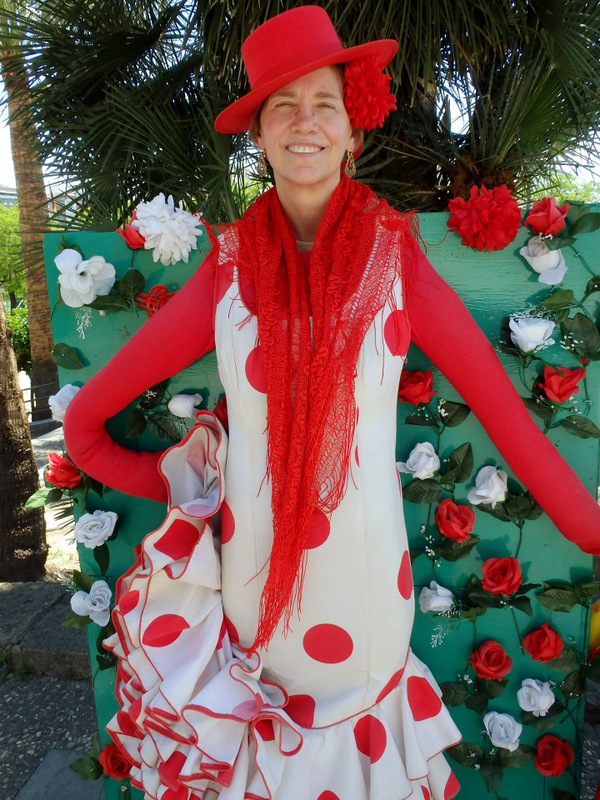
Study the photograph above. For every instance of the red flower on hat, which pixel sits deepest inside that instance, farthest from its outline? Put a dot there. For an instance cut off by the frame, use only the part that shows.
(490, 219)
(367, 95)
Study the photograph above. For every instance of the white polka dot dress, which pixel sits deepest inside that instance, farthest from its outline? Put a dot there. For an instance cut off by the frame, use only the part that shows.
(337, 709)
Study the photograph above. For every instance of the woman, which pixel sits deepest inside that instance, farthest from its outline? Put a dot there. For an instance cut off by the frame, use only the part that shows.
(305, 688)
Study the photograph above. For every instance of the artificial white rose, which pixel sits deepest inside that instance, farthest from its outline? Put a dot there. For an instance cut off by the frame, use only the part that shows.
(549, 264)
(169, 232)
(58, 402)
(94, 604)
(184, 405)
(490, 487)
(82, 281)
(531, 334)
(423, 462)
(535, 696)
(94, 529)
(503, 730)
(435, 598)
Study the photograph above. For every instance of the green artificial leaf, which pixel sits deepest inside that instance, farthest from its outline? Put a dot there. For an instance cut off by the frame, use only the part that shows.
(477, 703)
(38, 499)
(64, 245)
(539, 407)
(414, 554)
(136, 424)
(517, 758)
(543, 724)
(452, 414)
(521, 603)
(162, 427)
(131, 284)
(499, 512)
(83, 581)
(491, 772)
(573, 685)
(593, 285)
(472, 613)
(459, 466)
(476, 595)
(426, 491)
(153, 396)
(592, 671)
(559, 242)
(106, 661)
(73, 620)
(66, 356)
(102, 557)
(586, 223)
(491, 688)
(527, 587)
(557, 599)
(55, 495)
(454, 693)
(110, 302)
(562, 299)
(467, 754)
(581, 335)
(87, 768)
(580, 426)
(521, 507)
(586, 590)
(452, 551)
(419, 419)
(568, 661)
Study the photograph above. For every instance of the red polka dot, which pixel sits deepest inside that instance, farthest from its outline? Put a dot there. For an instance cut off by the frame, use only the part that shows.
(127, 725)
(391, 684)
(179, 540)
(248, 293)
(397, 333)
(422, 699)
(255, 371)
(328, 796)
(371, 737)
(426, 795)
(301, 708)
(244, 710)
(170, 769)
(164, 630)
(129, 601)
(135, 709)
(405, 583)
(180, 793)
(227, 524)
(328, 644)
(264, 728)
(356, 456)
(319, 530)
(452, 787)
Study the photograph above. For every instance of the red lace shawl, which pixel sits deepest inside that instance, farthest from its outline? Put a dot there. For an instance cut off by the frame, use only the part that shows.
(311, 369)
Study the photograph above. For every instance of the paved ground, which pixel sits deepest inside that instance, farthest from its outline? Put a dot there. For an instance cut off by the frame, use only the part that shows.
(47, 715)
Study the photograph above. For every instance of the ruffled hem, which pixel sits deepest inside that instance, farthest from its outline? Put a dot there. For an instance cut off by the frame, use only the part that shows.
(197, 718)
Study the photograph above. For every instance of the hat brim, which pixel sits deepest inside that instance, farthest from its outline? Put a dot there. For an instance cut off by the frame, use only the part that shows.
(237, 117)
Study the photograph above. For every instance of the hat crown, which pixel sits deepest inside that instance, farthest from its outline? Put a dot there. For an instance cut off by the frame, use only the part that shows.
(286, 42)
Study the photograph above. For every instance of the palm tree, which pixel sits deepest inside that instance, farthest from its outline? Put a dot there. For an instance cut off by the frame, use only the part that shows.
(22, 531)
(33, 212)
(135, 115)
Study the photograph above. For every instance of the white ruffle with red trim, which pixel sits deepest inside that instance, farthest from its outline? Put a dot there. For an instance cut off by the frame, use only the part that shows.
(198, 720)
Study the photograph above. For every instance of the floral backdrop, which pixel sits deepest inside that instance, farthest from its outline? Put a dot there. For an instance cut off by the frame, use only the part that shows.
(503, 601)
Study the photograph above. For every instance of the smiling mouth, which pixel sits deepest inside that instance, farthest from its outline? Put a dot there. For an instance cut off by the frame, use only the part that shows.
(303, 149)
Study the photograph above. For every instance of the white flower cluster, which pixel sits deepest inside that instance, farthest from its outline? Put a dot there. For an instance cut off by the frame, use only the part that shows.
(184, 405)
(423, 462)
(59, 402)
(490, 487)
(531, 334)
(94, 529)
(504, 731)
(549, 264)
(169, 231)
(82, 281)
(94, 604)
(435, 598)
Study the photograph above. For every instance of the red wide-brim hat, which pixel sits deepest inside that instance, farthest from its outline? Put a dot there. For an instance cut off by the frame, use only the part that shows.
(287, 47)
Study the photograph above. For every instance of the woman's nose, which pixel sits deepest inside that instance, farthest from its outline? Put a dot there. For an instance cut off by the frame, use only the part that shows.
(305, 118)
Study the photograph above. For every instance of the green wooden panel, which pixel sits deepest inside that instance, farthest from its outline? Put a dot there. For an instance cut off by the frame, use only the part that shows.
(492, 285)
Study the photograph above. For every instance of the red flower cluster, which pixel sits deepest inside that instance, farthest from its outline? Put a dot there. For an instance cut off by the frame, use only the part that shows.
(491, 661)
(544, 644)
(553, 755)
(489, 220)
(367, 97)
(114, 763)
(454, 521)
(61, 472)
(133, 238)
(546, 218)
(560, 383)
(501, 575)
(416, 387)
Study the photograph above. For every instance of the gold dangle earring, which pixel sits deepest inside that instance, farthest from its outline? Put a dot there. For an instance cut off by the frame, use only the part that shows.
(261, 166)
(350, 168)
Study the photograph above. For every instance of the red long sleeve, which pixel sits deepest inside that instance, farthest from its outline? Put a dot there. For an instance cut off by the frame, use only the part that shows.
(168, 342)
(448, 335)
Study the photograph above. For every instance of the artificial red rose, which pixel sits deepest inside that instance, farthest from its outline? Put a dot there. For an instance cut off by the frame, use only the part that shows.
(133, 238)
(501, 575)
(114, 763)
(491, 661)
(544, 644)
(553, 755)
(560, 383)
(546, 217)
(61, 472)
(490, 219)
(454, 521)
(416, 387)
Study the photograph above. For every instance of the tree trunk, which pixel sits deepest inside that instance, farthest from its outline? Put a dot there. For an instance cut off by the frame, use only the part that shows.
(23, 547)
(33, 216)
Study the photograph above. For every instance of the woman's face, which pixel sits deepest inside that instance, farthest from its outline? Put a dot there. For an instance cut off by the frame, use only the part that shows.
(305, 131)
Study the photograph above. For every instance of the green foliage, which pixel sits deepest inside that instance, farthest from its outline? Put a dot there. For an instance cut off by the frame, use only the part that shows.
(12, 281)
(18, 324)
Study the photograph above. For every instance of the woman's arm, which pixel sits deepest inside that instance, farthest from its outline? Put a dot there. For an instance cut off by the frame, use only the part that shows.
(448, 335)
(172, 339)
